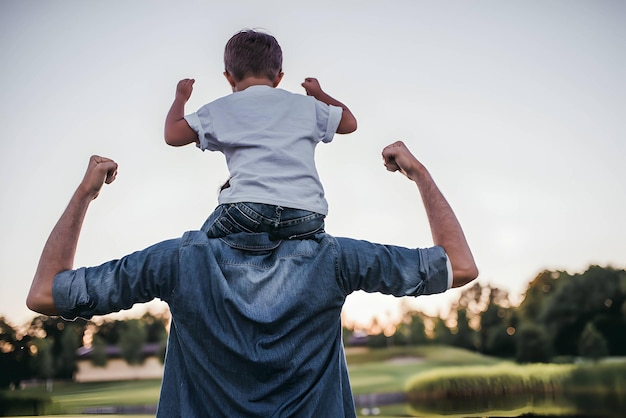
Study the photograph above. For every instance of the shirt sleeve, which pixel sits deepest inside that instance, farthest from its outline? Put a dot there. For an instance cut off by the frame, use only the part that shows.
(118, 284)
(201, 122)
(328, 118)
(392, 270)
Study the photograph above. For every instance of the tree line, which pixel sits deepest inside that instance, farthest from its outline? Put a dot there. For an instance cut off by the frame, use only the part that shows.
(47, 347)
(561, 317)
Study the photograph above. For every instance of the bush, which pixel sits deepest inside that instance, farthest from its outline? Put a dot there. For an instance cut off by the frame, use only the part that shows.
(592, 343)
(532, 345)
(481, 381)
(14, 403)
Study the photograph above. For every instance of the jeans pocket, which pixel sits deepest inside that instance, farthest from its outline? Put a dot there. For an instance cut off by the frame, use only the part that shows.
(239, 221)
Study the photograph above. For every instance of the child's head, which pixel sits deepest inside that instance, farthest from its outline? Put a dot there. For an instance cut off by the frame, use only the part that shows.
(253, 53)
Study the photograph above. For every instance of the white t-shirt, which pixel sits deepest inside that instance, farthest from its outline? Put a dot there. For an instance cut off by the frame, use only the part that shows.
(268, 136)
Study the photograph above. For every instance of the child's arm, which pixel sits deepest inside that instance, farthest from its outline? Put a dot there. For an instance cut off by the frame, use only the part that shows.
(348, 121)
(177, 130)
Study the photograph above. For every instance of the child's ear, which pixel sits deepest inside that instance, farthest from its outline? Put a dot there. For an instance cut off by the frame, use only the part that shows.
(279, 77)
(230, 79)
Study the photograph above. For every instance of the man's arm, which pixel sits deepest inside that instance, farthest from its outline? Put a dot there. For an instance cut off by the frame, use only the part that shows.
(348, 121)
(445, 227)
(60, 249)
(177, 130)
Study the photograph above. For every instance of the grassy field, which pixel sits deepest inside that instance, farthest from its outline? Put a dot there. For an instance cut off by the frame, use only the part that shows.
(371, 371)
(388, 370)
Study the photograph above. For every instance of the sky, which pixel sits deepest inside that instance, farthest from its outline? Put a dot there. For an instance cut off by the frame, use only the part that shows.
(517, 108)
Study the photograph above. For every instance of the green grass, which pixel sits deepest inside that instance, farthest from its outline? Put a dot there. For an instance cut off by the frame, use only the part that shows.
(74, 398)
(387, 370)
(376, 371)
(370, 371)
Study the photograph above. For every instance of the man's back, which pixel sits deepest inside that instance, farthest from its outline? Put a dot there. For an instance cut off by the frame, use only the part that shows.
(256, 328)
(256, 332)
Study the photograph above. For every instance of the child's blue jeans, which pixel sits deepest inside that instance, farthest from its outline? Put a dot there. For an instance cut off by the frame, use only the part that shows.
(279, 222)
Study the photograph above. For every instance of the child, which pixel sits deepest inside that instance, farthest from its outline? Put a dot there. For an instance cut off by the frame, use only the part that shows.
(268, 136)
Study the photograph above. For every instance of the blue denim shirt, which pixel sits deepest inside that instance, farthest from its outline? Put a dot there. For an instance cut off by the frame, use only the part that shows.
(256, 327)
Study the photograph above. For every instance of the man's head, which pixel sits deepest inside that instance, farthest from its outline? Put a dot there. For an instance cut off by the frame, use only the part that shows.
(253, 53)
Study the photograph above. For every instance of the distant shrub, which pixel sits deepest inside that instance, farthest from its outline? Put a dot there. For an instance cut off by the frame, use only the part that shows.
(503, 379)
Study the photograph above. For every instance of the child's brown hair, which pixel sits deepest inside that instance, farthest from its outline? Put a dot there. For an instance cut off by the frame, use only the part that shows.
(253, 53)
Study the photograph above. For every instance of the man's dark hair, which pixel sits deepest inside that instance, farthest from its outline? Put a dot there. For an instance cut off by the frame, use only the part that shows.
(253, 53)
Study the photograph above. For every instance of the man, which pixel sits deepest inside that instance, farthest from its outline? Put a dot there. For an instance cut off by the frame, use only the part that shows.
(256, 327)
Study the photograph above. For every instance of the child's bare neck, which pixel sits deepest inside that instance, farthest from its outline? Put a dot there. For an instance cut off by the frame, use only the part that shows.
(252, 81)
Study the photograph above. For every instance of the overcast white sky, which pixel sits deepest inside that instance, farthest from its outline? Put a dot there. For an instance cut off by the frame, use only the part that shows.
(518, 108)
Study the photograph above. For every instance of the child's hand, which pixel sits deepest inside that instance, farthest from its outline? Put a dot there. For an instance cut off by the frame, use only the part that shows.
(184, 89)
(312, 87)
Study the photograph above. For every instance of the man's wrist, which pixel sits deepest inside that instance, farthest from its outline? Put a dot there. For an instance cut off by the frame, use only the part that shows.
(84, 193)
(417, 172)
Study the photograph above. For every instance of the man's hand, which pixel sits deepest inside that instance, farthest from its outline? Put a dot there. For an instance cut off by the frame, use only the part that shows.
(99, 171)
(397, 157)
(312, 87)
(184, 88)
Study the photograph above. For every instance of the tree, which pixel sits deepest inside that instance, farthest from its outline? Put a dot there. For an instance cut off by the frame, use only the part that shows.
(465, 336)
(501, 337)
(64, 338)
(155, 327)
(501, 342)
(132, 340)
(70, 341)
(472, 299)
(532, 345)
(379, 340)
(492, 319)
(99, 357)
(539, 293)
(346, 334)
(43, 361)
(441, 333)
(592, 344)
(110, 331)
(417, 330)
(14, 356)
(412, 330)
(594, 296)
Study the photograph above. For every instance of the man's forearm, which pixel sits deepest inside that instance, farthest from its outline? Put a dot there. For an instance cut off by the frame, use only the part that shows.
(445, 228)
(58, 254)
